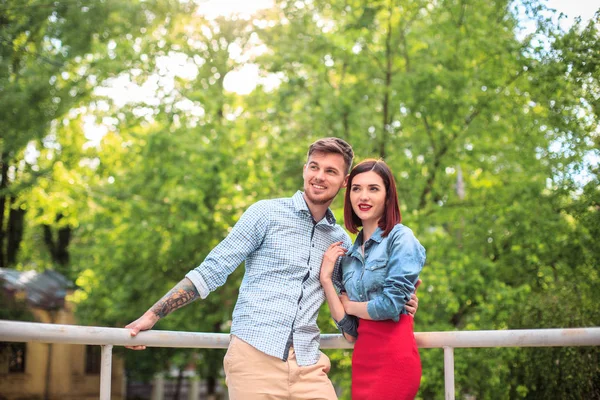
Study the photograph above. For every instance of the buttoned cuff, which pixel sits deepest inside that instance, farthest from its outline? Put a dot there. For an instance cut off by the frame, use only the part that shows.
(378, 313)
(199, 282)
(348, 324)
(372, 311)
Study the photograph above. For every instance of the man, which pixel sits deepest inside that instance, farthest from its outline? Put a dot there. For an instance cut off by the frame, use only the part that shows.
(274, 348)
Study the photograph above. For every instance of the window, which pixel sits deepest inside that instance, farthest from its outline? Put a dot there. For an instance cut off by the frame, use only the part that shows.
(92, 359)
(14, 354)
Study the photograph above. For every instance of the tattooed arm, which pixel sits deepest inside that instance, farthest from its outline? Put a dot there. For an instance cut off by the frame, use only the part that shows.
(183, 293)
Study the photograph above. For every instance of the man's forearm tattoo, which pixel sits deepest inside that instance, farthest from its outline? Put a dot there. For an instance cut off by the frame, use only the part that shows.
(183, 293)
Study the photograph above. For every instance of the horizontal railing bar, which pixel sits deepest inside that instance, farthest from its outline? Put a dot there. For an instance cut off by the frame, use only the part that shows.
(510, 338)
(54, 333)
(13, 331)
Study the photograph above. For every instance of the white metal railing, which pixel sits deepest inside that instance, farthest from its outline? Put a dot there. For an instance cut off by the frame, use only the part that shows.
(12, 331)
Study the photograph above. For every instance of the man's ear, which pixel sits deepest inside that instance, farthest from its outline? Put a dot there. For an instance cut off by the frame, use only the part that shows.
(346, 181)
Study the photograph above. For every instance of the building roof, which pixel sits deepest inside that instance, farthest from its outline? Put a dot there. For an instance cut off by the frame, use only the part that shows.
(45, 290)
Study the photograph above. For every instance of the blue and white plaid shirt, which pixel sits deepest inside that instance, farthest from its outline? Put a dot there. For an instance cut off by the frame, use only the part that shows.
(280, 295)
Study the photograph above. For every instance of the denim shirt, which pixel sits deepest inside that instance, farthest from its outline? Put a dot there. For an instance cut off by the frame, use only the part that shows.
(386, 276)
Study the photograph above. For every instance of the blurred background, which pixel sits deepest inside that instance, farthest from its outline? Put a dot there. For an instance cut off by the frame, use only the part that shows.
(133, 134)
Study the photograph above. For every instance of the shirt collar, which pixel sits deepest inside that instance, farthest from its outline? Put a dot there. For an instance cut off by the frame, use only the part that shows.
(377, 236)
(300, 205)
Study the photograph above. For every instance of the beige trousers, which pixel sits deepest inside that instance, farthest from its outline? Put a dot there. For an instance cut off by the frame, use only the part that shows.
(253, 375)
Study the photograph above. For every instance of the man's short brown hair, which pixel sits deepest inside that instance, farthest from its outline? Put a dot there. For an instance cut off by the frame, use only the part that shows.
(333, 145)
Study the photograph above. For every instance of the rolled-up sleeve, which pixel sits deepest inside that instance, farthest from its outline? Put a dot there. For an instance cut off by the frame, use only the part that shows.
(348, 324)
(245, 237)
(406, 260)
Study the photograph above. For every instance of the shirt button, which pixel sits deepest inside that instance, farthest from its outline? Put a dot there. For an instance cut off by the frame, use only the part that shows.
(313, 245)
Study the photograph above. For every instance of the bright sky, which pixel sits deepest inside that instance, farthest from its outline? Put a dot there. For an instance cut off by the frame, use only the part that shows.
(575, 8)
(245, 79)
(244, 8)
(213, 8)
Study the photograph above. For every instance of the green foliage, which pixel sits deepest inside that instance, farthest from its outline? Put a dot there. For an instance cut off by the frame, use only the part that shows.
(13, 308)
(492, 135)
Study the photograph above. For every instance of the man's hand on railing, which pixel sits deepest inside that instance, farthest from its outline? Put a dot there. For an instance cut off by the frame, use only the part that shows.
(183, 293)
(143, 323)
(413, 304)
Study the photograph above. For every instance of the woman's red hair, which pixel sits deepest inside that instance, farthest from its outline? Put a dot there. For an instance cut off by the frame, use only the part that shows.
(391, 214)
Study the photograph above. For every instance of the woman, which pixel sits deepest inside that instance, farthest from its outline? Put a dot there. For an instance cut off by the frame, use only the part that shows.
(379, 273)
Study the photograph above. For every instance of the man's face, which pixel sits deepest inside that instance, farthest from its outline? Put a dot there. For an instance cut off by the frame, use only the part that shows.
(324, 175)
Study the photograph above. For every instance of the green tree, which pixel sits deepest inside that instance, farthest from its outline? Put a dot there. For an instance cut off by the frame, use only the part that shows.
(52, 58)
(491, 132)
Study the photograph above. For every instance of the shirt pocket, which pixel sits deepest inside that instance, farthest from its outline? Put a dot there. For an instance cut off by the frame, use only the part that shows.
(376, 264)
(375, 274)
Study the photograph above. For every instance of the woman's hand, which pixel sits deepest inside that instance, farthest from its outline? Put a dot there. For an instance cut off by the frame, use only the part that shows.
(356, 308)
(330, 257)
(345, 302)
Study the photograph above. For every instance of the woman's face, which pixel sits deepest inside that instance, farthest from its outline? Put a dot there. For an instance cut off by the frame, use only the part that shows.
(367, 196)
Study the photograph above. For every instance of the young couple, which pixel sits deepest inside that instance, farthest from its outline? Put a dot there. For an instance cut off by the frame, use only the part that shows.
(292, 249)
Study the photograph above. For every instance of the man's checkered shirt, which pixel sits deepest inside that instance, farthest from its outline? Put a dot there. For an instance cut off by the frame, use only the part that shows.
(280, 295)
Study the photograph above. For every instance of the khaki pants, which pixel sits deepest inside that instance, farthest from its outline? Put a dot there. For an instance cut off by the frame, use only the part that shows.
(253, 375)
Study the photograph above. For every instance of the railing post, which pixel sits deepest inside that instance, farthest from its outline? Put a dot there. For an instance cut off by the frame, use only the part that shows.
(449, 372)
(158, 387)
(194, 393)
(105, 372)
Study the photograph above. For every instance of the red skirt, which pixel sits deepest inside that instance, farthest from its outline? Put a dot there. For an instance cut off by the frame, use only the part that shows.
(385, 362)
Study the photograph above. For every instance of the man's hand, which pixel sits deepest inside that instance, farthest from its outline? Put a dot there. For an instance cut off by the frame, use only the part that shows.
(183, 293)
(143, 323)
(413, 304)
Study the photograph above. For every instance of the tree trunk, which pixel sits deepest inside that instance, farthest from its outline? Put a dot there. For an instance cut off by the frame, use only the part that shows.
(14, 232)
(3, 186)
(388, 87)
(59, 248)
